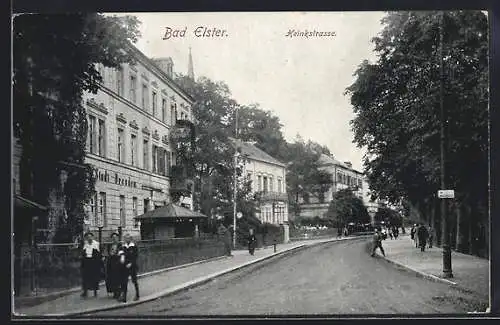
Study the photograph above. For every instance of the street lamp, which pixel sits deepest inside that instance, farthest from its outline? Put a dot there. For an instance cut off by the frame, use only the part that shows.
(447, 272)
(235, 178)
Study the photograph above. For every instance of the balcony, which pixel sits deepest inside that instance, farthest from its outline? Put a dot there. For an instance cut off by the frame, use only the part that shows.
(272, 196)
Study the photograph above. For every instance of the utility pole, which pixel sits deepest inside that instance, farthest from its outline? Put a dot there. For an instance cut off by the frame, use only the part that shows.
(447, 273)
(235, 190)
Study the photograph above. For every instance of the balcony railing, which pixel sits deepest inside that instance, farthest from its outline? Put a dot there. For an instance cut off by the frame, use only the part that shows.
(273, 196)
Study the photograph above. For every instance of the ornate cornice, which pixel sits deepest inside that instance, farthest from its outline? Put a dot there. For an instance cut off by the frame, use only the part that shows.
(121, 118)
(164, 139)
(156, 136)
(100, 107)
(146, 131)
(133, 124)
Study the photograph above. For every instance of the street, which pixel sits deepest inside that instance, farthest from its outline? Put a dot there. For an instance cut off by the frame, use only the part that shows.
(334, 278)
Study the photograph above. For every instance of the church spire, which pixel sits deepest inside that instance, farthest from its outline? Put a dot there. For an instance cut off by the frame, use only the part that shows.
(190, 65)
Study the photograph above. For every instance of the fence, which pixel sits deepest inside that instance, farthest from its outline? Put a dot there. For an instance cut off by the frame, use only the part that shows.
(55, 267)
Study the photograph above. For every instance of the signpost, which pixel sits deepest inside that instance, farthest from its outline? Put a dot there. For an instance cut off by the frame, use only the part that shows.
(239, 215)
(446, 194)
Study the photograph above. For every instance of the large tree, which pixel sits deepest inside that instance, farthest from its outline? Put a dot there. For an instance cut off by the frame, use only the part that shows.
(55, 59)
(345, 207)
(397, 105)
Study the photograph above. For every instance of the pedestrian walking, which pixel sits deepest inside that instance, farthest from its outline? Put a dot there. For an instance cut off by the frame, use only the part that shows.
(431, 236)
(395, 232)
(129, 256)
(422, 235)
(225, 236)
(252, 242)
(113, 267)
(377, 242)
(90, 265)
(389, 230)
(339, 232)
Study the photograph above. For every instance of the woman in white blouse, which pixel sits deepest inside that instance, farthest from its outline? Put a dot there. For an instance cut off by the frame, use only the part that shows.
(91, 265)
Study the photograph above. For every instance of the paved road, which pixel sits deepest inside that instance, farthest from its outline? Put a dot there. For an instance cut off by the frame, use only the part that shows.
(335, 278)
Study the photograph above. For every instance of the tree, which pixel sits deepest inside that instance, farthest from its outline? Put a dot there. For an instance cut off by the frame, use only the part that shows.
(345, 207)
(55, 59)
(389, 216)
(396, 103)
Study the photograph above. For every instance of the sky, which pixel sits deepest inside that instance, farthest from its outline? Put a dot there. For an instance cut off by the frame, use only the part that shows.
(299, 79)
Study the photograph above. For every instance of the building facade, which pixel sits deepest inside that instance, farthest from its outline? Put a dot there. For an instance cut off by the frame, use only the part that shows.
(343, 177)
(129, 123)
(268, 176)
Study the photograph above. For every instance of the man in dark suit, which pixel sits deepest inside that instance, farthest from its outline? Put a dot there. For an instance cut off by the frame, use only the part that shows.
(129, 259)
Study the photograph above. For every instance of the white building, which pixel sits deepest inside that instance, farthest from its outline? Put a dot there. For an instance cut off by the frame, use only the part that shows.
(268, 177)
(130, 119)
(343, 177)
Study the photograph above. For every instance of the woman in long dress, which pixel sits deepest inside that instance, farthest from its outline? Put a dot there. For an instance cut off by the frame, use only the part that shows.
(113, 266)
(91, 265)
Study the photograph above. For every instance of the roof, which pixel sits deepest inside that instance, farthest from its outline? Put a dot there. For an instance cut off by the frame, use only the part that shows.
(328, 160)
(24, 203)
(170, 211)
(252, 152)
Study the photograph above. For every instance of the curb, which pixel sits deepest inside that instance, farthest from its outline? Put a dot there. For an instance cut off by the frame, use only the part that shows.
(33, 301)
(181, 287)
(200, 281)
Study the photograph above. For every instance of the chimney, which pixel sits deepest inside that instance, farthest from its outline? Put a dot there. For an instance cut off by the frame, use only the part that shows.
(348, 164)
(166, 65)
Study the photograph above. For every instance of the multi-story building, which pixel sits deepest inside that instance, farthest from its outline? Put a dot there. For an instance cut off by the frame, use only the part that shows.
(344, 177)
(268, 176)
(129, 122)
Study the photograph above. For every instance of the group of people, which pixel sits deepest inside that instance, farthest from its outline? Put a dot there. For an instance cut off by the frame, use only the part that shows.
(226, 237)
(422, 236)
(119, 264)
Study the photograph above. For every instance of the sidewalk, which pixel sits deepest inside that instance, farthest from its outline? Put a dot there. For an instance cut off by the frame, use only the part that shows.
(469, 272)
(161, 283)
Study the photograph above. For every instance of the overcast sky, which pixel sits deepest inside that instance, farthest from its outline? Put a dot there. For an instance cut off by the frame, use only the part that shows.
(301, 80)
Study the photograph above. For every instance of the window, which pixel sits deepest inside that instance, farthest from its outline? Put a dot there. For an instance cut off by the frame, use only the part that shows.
(101, 138)
(163, 109)
(119, 82)
(146, 205)
(161, 161)
(93, 208)
(153, 98)
(271, 187)
(279, 185)
(172, 114)
(145, 157)
(339, 177)
(92, 133)
(168, 163)
(121, 150)
(133, 87)
(133, 149)
(102, 210)
(144, 96)
(259, 183)
(134, 211)
(122, 211)
(155, 155)
(265, 185)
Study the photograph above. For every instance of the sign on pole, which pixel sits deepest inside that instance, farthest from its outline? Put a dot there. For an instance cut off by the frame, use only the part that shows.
(446, 194)
(239, 215)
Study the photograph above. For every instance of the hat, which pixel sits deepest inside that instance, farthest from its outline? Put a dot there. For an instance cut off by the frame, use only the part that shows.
(115, 234)
(88, 233)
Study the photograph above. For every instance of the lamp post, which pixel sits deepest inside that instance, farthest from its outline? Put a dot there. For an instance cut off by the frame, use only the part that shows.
(447, 272)
(235, 189)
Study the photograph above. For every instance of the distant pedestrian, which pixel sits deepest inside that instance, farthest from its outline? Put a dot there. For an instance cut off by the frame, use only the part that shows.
(339, 232)
(395, 232)
(377, 242)
(431, 236)
(113, 267)
(422, 235)
(90, 265)
(128, 257)
(389, 230)
(225, 236)
(252, 242)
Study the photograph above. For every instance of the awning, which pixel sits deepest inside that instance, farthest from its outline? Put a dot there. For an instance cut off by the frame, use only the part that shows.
(25, 204)
(170, 211)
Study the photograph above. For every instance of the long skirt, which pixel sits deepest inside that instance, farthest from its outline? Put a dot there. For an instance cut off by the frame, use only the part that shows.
(91, 273)
(113, 275)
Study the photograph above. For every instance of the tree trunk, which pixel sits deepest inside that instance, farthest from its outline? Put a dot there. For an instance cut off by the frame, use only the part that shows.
(458, 209)
(470, 235)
